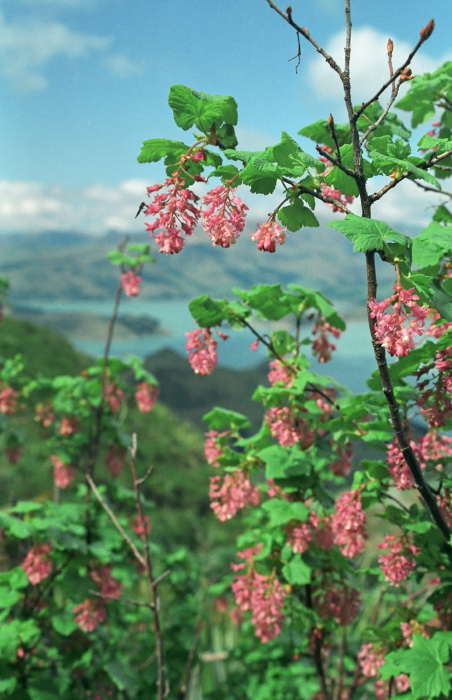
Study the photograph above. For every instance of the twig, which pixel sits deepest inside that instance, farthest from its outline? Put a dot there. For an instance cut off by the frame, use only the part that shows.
(114, 520)
(153, 583)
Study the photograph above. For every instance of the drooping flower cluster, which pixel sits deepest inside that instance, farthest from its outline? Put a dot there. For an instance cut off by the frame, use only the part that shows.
(69, 426)
(268, 235)
(146, 395)
(37, 564)
(262, 595)
(371, 658)
(338, 602)
(89, 614)
(342, 465)
(400, 561)
(432, 447)
(236, 492)
(398, 467)
(299, 536)
(213, 449)
(201, 348)
(286, 427)
(108, 586)
(341, 199)
(349, 524)
(396, 330)
(8, 399)
(63, 475)
(115, 459)
(141, 525)
(113, 397)
(280, 372)
(44, 413)
(322, 348)
(130, 282)
(224, 217)
(175, 212)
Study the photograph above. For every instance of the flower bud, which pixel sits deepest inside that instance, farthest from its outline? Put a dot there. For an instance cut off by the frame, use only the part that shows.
(427, 31)
(390, 47)
(331, 121)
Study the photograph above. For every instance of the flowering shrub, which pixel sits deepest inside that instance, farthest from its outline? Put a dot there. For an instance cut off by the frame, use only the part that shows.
(304, 499)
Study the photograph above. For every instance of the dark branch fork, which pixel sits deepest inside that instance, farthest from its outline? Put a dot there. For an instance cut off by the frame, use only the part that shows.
(366, 203)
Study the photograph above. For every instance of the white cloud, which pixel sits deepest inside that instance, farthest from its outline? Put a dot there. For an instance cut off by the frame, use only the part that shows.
(28, 45)
(29, 207)
(121, 65)
(369, 66)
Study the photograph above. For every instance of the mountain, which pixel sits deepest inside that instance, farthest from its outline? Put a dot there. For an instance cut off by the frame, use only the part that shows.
(70, 267)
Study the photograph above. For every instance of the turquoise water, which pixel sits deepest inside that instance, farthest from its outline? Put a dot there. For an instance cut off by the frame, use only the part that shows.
(352, 363)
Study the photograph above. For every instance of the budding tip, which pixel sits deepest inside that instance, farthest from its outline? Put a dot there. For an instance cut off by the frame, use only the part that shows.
(427, 31)
(390, 46)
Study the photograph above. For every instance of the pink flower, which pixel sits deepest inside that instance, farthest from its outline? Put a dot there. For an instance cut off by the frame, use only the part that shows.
(225, 216)
(37, 564)
(234, 493)
(130, 282)
(8, 399)
(400, 562)
(370, 659)
(69, 426)
(341, 199)
(338, 602)
(298, 536)
(268, 235)
(322, 348)
(349, 523)
(113, 397)
(62, 474)
(13, 454)
(146, 395)
(106, 583)
(262, 595)
(288, 428)
(395, 331)
(280, 372)
(343, 462)
(201, 348)
(44, 413)
(141, 526)
(213, 449)
(115, 459)
(90, 613)
(175, 213)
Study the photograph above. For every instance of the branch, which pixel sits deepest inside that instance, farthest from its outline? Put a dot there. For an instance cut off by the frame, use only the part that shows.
(287, 16)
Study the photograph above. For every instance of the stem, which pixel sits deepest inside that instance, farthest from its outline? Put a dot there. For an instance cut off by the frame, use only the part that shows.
(153, 582)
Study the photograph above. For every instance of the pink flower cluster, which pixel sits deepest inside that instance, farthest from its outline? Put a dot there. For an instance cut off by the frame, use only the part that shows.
(63, 475)
(146, 395)
(213, 448)
(90, 613)
(44, 413)
(201, 348)
(322, 348)
(113, 397)
(115, 459)
(338, 602)
(262, 595)
(269, 235)
(431, 447)
(371, 659)
(130, 282)
(236, 492)
(175, 211)
(400, 562)
(395, 331)
(341, 199)
(37, 564)
(342, 465)
(287, 428)
(141, 526)
(348, 523)
(280, 372)
(224, 218)
(8, 399)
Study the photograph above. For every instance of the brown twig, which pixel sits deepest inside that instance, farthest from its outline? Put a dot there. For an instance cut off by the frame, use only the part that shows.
(153, 582)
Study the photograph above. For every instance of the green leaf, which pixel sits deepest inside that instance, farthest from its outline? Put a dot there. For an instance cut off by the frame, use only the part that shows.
(154, 150)
(296, 215)
(427, 142)
(201, 110)
(425, 665)
(297, 572)
(220, 418)
(64, 624)
(270, 301)
(8, 598)
(122, 676)
(424, 91)
(441, 300)
(7, 685)
(320, 132)
(369, 234)
(207, 312)
(391, 124)
(281, 464)
(281, 511)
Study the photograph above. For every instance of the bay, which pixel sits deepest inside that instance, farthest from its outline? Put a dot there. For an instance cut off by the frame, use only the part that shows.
(352, 363)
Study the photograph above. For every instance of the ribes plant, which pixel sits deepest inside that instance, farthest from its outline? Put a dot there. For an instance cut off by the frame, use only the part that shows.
(351, 608)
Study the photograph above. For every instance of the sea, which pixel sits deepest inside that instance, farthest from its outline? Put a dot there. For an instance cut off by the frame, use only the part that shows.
(352, 362)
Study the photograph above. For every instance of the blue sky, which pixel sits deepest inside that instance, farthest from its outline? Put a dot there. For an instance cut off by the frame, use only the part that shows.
(84, 82)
